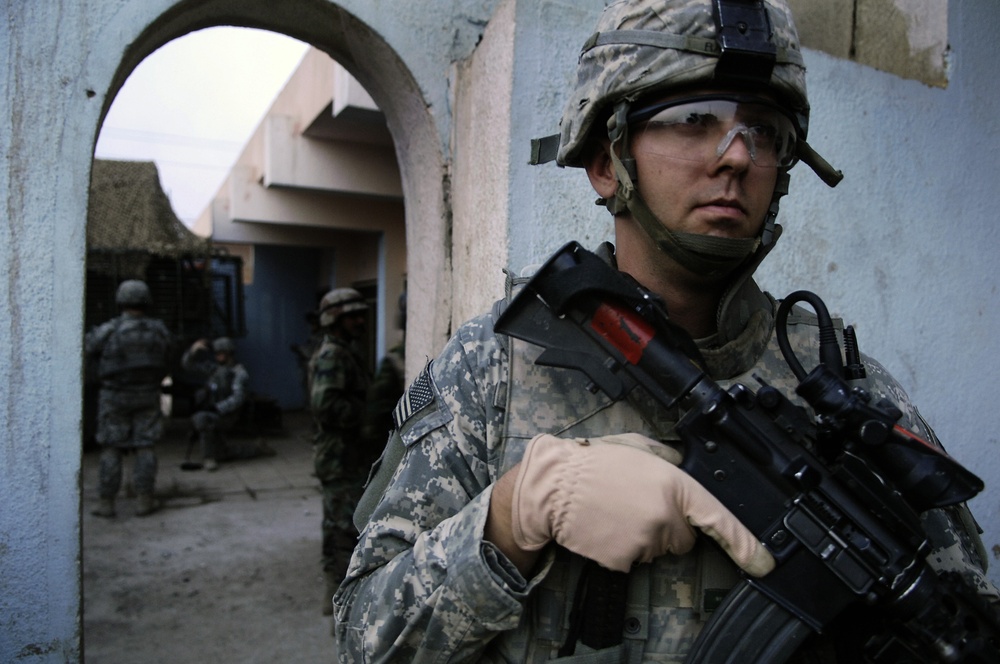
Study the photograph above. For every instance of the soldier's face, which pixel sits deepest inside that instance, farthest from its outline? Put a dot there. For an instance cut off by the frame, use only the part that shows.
(353, 324)
(723, 195)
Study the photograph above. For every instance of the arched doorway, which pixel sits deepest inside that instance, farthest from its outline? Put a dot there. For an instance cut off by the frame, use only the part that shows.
(418, 148)
(416, 132)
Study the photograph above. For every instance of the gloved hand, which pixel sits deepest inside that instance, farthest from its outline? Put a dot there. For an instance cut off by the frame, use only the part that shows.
(621, 499)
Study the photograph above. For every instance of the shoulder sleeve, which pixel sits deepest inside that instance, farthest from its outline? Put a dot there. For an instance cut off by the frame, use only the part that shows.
(953, 532)
(423, 546)
(239, 386)
(94, 340)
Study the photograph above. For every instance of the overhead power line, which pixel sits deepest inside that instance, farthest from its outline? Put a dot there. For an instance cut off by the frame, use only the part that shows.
(164, 138)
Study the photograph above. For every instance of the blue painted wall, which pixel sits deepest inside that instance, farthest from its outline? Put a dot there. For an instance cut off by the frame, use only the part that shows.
(284, 288)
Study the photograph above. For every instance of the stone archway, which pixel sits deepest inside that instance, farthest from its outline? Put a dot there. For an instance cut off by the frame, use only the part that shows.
(66, 62)
(422, 162)
(417, 134)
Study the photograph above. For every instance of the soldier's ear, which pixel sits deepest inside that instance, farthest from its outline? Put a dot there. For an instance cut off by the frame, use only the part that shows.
(600, 169)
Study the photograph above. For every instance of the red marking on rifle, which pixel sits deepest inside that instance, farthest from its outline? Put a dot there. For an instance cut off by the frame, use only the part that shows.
(623, 329)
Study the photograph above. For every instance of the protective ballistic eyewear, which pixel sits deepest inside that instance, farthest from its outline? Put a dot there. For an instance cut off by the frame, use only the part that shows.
(702, 129)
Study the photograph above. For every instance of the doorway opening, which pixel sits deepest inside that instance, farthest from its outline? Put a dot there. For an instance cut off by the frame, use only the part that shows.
(223, 541)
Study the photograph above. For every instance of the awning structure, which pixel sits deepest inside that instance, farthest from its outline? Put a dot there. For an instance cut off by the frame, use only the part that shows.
(134, 233)
(129, 211)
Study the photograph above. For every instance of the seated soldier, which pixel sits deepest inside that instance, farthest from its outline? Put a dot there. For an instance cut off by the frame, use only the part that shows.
(219, 401)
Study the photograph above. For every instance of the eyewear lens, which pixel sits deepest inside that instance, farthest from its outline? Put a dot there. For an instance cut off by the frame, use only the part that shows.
(704, 129)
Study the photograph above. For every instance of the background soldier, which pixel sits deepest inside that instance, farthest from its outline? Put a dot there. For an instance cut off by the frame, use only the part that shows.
(304, 351)
(219, 402)
(338, 382)
(383, 393)
(132, 353)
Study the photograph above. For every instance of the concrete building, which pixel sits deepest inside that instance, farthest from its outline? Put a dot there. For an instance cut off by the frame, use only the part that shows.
(904, 100)
(314, 202)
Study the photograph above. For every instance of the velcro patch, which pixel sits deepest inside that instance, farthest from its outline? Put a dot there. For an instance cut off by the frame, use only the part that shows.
(418, 396)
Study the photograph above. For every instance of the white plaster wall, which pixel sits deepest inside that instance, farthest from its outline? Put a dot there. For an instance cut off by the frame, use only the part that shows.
(479, 177)
(44, 176)
(548, 205)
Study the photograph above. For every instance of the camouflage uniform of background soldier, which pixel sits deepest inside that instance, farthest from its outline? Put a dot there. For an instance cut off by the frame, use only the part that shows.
(384, 392)
(304, 351)
(338, 383)
(496, 449)
(219, 402)
(133, 355)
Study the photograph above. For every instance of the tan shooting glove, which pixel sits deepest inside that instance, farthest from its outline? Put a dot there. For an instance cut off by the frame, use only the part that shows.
(621, 499)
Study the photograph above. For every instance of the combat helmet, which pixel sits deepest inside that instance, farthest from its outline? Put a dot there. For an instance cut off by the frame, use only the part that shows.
(224, 345)
(648, 48)
(133, 293)
(338, 302)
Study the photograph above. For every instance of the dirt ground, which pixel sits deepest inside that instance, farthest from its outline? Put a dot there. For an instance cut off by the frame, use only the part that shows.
(227, 571)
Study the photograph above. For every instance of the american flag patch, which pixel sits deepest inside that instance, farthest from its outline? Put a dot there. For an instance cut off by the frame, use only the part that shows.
(418, 396)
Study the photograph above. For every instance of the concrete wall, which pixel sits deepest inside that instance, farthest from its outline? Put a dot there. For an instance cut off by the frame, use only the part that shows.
(482, 153)
(904, 247)
(908, 38)
(283, 290)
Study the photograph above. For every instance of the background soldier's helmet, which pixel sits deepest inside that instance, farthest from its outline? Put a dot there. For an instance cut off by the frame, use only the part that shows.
(338, 302)
(652, 47)
(133, 293)
(224, 345)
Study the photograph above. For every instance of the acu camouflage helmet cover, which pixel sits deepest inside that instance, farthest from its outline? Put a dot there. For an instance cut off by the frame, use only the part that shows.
(133, 293)
(338, 302)
(224, 345)
(646, 47)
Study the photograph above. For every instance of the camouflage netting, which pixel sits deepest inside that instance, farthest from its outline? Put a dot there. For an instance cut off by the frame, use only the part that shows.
(129, 214)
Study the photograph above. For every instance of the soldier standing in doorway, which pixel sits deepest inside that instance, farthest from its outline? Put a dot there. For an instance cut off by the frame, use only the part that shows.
(132, 352)
(338, 383)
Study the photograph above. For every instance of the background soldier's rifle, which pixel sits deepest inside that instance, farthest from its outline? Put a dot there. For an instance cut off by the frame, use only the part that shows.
(835, 498)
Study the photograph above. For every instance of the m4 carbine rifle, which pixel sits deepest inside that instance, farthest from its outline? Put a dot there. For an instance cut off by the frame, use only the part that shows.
(835, 497)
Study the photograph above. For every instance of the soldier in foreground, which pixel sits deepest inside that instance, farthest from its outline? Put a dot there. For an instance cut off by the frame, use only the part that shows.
(338, 381)
(133, 355)
(514, 478)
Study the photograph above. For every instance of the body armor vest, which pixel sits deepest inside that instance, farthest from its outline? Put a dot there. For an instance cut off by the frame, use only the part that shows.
(135, 352)
(669, 600)
(220, 384)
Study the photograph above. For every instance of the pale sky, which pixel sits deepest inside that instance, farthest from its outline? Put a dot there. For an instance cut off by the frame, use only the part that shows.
(191, 106)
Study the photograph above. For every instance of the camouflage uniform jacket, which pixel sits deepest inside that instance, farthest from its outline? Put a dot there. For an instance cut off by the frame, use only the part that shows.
(131, 355)
(423, 585)
(383, 393)
(132, 352)
(337, 385)
(227, 384)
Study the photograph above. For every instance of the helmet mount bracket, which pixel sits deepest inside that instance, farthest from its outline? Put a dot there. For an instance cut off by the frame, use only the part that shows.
(747, 53)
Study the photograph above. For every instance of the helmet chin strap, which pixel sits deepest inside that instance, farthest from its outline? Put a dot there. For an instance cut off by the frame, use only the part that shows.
(705, 255)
